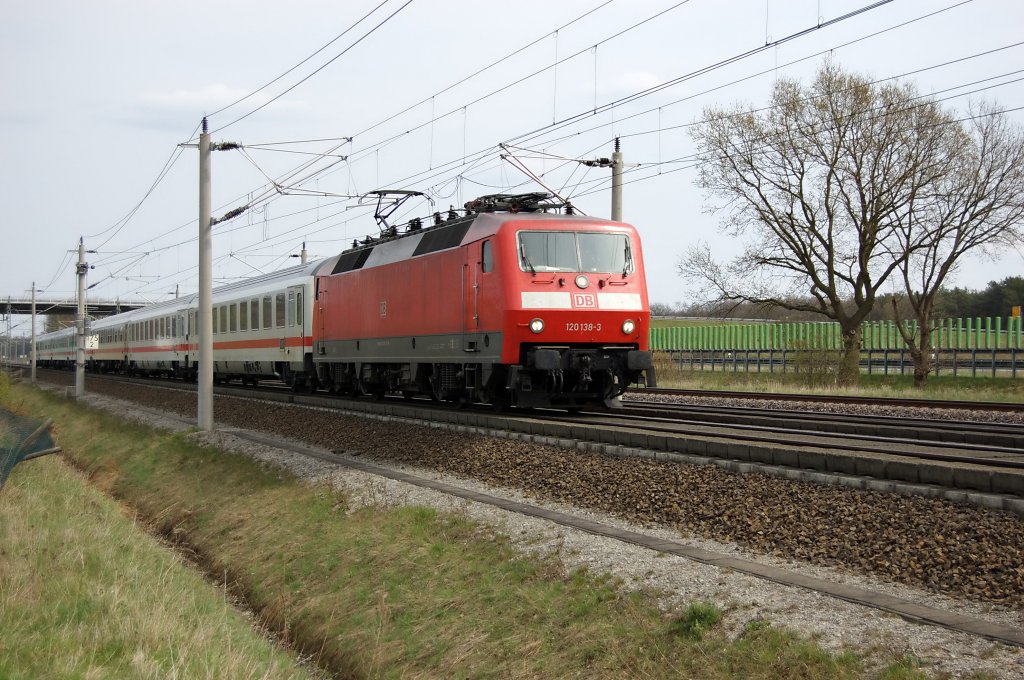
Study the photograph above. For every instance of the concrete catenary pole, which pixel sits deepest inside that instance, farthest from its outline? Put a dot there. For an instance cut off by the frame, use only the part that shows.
(80, 323)
(302, 253)
(617, 182)
(5, 349)
(32, 360)
(204, 316)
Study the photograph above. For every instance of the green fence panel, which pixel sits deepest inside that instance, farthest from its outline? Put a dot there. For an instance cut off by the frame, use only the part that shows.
(972, 333)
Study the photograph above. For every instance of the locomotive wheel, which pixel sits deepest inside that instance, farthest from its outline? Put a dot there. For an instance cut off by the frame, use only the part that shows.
(437, 393)
(500, 402)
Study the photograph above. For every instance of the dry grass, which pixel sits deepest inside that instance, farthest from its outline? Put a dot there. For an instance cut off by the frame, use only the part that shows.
(85, 594)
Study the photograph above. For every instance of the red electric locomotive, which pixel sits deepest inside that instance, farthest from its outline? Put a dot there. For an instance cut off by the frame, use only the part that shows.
(519, 302)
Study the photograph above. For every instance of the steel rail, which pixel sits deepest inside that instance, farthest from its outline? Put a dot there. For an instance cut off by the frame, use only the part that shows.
(836, 399)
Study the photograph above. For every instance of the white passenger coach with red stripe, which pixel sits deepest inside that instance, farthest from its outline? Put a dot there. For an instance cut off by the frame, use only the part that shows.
(261, 330)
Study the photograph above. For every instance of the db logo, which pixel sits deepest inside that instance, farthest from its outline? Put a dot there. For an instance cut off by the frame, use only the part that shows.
(584, 300)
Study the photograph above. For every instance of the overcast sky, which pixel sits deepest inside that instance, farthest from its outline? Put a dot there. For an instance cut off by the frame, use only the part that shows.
(97, 97)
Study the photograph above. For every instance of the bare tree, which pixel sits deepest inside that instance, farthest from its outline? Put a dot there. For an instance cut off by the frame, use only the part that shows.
(975, 207)
(813, 187)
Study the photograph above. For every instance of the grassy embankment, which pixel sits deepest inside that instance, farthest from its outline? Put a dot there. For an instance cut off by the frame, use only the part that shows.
(368, 592)
(980, 388)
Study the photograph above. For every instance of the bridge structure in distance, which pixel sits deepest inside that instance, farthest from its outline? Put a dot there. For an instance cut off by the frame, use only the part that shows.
(69, 305)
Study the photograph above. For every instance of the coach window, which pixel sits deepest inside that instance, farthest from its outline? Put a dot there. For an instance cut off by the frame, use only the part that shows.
(254, 312)
(243, 316)
(215, 327)
(268, 312)
(224, 319)
(486, 257)
(233, 312)
(174, 326)
(291, 308)
(298, 307)
(279, 310)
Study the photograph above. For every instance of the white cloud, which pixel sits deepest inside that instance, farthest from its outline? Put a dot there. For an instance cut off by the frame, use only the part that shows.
(213, 96)
(633, 81)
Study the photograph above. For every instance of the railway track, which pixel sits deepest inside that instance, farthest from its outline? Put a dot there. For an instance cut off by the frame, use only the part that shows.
(964, 461)
(998, 406)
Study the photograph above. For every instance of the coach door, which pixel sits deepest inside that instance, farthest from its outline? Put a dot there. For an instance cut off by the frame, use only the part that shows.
(296, 323)
(179, 332)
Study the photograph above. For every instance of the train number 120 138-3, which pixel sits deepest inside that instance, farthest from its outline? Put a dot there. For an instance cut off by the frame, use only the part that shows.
(575, 327)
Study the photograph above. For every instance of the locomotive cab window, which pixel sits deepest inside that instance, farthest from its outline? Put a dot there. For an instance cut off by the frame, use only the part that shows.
(542, 251)
(486, 257)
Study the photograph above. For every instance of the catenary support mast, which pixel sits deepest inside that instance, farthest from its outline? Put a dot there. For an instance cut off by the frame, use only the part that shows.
(204, 315)
(82, 268)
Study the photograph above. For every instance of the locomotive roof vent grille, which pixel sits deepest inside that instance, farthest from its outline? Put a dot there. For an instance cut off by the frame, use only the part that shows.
(447, 231)
(442, 237)
(353, 259)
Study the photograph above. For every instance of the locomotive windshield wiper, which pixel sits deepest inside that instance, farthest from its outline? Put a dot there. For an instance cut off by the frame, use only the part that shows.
(628, 256)
(526, 261)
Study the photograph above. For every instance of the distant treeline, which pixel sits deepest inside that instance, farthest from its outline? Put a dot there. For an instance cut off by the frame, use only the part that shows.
(996, 300)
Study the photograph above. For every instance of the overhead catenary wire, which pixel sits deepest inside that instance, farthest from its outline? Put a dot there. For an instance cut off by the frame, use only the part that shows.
(853, 13)
(773, 69)
(615, 103)
(318, 70)
(490, 152)
(617, 34)
(324, 47)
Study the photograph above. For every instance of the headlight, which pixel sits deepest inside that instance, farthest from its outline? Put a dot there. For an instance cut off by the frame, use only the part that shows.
(537, 325)
(628, 326)
(582, 281)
